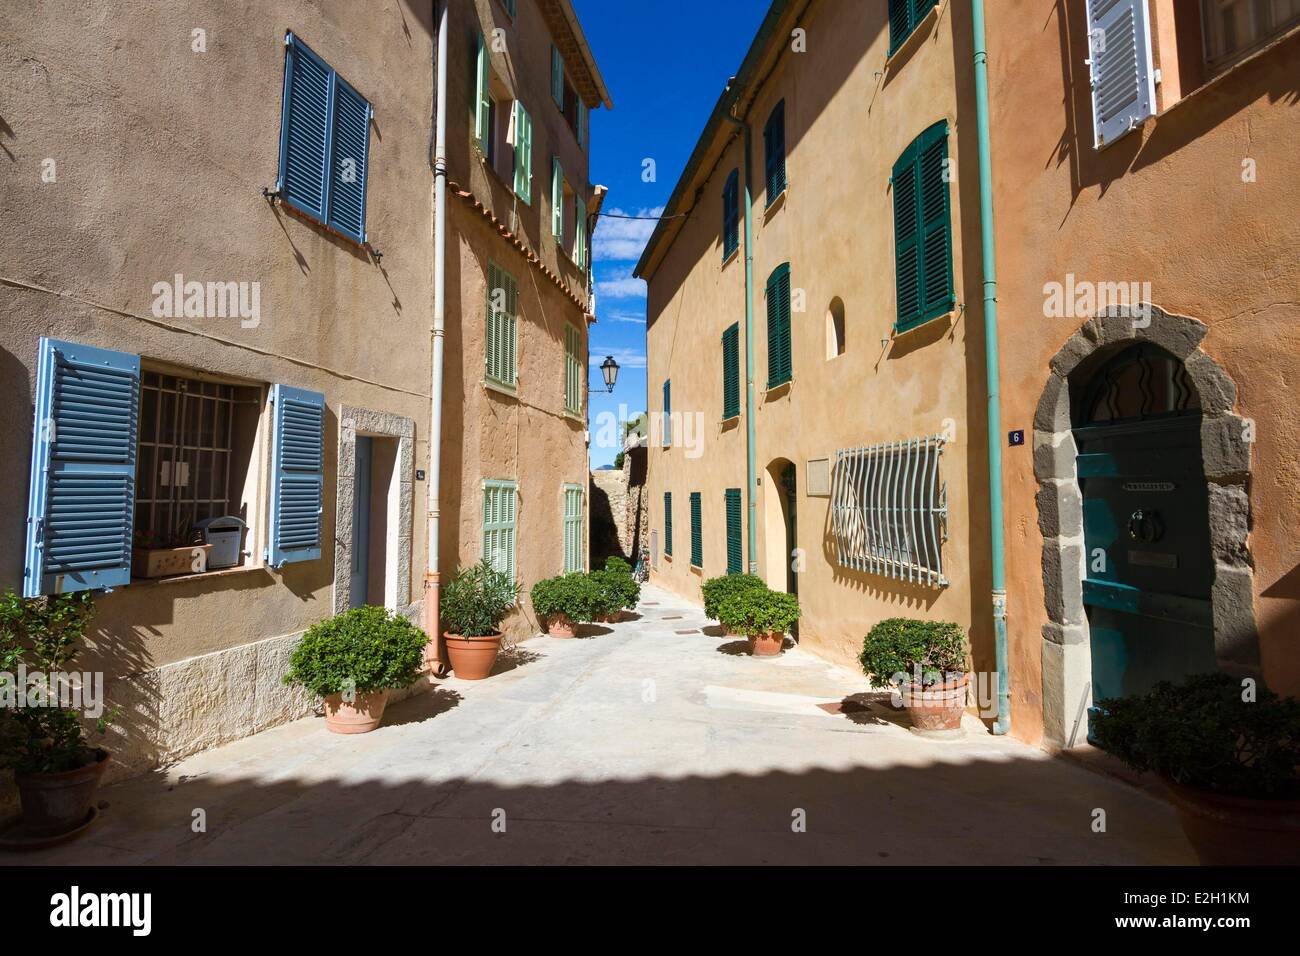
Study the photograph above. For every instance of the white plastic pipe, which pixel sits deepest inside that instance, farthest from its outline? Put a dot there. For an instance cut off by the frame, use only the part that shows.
(432, 581)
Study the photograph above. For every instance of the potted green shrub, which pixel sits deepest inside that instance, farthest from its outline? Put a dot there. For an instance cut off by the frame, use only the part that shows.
(56, 767)
(474, 604)
(565, 601)
(353, 660)
(925, 661)
(716, 590)
(763, 616)
(1230, 754)
(615, 563)
(618, 592)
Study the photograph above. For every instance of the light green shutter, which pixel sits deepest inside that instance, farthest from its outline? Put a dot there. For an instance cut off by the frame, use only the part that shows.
(557, 77)
(523, 154)
(573, 529)
(501, 326)
(734, 556)
(483, 93)
(499, 525)
(572, 370)
(557, 199)
(580, 240)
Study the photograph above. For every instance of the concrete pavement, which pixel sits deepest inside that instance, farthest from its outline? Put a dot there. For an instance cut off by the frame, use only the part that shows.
(636, 743)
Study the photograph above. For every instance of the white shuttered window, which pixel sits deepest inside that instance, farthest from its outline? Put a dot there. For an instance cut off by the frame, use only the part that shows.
(1123, 78)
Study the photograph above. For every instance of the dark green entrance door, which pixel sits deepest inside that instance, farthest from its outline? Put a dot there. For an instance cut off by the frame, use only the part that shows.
(1148, 564)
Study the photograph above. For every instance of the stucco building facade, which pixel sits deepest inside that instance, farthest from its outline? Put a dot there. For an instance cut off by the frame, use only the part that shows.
(1140, 542)
(217, 301)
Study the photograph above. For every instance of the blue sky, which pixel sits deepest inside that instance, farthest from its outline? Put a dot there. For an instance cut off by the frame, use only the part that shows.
(665, 63)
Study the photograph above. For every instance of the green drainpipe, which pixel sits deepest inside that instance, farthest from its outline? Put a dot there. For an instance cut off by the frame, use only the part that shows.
(750, 502)
(1003, 722)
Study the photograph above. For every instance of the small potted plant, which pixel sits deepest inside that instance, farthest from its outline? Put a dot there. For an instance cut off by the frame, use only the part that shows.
(1229, 750)
(56, 767)
(618, 592)
(763, 616)
(474, 604)
(716, 590)
(353, 660)
(925, 661)
(565, 601)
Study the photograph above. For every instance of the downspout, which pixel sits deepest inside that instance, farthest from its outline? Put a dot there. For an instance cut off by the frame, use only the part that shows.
(999, 576)
(751, 503)
(434, 654)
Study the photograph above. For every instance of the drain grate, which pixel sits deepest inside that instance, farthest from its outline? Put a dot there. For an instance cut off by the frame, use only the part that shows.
(695, 630)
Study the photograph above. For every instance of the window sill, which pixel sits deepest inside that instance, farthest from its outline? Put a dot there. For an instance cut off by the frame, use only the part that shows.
(773, 392)
(511, 391)
(947, 316)
(204, 575)
(307, 217)
(729, 259)
(573, 416)
(1224, 71)
(697, 569)
(776, 204)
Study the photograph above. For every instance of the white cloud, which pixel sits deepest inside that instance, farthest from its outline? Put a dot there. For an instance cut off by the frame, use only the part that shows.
(623, 240)
(620, 284)
(627, 318)
(625, 357)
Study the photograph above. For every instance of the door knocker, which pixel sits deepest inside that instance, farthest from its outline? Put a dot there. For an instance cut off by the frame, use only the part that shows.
(1146, 526)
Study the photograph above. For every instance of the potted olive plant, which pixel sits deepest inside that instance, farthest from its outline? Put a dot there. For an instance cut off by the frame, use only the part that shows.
(474, 604)
(565, 601)
(925, 662)
(716, 590)
(1229, 750)
(353, 660)
(56, 767)
(763, 616)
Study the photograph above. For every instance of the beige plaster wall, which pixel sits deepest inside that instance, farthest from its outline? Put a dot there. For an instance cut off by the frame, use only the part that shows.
(848, 117)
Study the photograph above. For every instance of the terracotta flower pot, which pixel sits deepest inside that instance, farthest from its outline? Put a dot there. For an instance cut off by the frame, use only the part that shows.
(560, 625)
(358, 717)
(937, 706)
(55, 803)
(1238, 831)
(472, 658)
(766, 645)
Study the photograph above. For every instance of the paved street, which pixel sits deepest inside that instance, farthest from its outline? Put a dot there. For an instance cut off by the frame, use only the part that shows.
(636, 744)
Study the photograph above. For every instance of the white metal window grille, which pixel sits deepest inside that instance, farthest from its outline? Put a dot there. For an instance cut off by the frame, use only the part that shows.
(183, 466)
(889, 509)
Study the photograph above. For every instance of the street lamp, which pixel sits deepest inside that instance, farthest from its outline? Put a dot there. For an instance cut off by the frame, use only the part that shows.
(609, 369)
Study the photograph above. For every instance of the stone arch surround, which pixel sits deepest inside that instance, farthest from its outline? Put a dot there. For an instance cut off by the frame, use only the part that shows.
(1225, 454)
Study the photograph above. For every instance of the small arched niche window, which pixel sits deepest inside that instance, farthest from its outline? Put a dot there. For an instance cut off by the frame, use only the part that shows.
(835, 328)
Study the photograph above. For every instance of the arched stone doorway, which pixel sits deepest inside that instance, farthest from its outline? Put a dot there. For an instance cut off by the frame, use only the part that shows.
(1129, 382)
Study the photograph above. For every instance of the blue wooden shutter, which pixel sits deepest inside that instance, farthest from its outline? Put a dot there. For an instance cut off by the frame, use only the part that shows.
(697, 533)
(297, 474)
(81, 502)
(735, 560)
(731, 372)
(351, 153)
(305, 128)
(668, 523)
(923, 230)
(779, 364)
(731, 215)
(774, 152)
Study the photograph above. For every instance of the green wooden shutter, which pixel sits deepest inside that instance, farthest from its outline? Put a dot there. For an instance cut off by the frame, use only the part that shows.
(580, 239)
(779, 365)
(482, 92)
(904, 17)
(572, 370)
(668, 413)
(731, 372)
(697, 534)
(502, 323)
(523, 153)
(557, 199)
(923, 230)
(731, 215)
(735, 561)
(499, 525)
(668, 523)
(557, 77)
(774, 152)
(573, 549)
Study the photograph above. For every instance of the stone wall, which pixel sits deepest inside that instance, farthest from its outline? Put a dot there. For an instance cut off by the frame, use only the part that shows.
(610, 530)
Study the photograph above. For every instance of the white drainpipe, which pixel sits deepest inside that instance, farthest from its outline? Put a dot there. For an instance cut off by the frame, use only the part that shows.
(432, 581)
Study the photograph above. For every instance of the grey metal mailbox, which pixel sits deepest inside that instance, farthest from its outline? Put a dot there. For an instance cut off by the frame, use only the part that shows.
(226, 535)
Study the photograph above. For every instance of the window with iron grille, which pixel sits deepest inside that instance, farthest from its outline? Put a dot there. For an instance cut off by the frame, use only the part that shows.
(889, 509)
(193, 456)
(502, 324)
